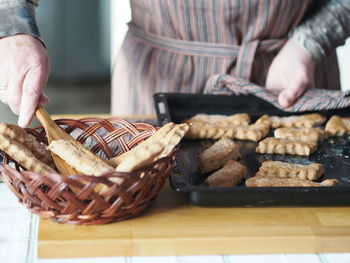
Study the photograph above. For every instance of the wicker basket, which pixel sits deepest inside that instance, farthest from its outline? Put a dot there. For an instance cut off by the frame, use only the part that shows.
(51, 196)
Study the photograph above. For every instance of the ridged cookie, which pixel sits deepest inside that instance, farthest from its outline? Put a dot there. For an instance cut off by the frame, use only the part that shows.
(295, 121)
(301, 134)
(291, 170)
(273, 145)
(239, 119)
(270, 181)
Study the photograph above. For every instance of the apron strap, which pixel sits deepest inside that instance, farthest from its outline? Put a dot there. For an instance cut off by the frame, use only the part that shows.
(245, 59)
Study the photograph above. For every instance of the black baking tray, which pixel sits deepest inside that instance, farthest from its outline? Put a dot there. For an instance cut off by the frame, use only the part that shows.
(334, 154)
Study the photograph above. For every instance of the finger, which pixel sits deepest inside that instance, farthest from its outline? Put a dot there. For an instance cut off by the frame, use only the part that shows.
(289, 96)
(14, 92)
(33, 86)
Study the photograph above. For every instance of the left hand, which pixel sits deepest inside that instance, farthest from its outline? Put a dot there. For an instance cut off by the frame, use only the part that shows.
(291, 73)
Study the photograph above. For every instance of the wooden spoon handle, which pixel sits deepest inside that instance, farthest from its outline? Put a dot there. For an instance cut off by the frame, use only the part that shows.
(54, 132)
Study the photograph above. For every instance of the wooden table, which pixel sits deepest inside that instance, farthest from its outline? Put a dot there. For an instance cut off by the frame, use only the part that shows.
(175, 227)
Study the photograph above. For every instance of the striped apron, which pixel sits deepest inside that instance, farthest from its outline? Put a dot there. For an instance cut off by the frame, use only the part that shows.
(177, 45)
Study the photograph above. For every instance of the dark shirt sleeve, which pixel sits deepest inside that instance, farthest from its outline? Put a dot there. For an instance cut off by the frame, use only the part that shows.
(326, 28)
(18, 17)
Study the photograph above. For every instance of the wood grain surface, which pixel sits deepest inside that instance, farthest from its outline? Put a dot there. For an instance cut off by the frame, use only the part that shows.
(174, 227)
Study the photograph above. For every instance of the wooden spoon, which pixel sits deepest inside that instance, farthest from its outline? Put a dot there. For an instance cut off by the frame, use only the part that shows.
(54, 132)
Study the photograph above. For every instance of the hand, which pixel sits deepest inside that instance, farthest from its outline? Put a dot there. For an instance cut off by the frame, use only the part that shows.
(25, 68)
(291, 73)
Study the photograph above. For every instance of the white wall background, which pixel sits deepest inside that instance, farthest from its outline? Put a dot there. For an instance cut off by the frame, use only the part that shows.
(343, 53)
(120, 15)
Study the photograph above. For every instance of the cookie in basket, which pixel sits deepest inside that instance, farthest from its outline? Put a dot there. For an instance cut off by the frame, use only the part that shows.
(24, 156)
(18, 134)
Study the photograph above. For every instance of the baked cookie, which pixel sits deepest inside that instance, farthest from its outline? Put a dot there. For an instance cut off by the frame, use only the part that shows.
(79, 157)
(270, 181)
(218, 154)
(301, 134)
(203, 130)
(291, 170)
(254, 132)
(338, 126)
(240, 119)
(296, 121)
(23, 156)
(206, 126)
(19, 134)
(157, 146)
(230, 175)
(273, 145)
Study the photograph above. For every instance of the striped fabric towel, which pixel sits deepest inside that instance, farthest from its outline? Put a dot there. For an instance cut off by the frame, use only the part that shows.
(311, 100)
(18, 230)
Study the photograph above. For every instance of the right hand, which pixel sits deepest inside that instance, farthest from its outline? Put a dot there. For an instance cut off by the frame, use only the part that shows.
(25, 68)
(291, 73)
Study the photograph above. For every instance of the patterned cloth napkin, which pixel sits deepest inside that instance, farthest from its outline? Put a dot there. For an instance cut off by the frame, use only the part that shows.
(311, 100)
(18, 230)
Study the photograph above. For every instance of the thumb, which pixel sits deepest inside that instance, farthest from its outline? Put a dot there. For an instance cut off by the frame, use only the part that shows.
(287, 97)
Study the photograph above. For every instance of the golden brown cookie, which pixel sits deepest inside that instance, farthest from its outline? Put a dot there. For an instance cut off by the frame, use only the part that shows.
(152, 140)
(270, 181)
(291, 170)
(173, 138)
(254, 132)
(79, 157)
(19, 134)
(301, 134)
(157, 146)
(23, 156)
(338, 126)
(273, 145)
(206, 126)
(218, 154)
(203, 130)
(295, 121)
(230, 175)
(240, 119)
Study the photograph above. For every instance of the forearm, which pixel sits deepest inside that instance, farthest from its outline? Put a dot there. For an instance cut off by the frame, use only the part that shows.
(18, 17)
(325, 29)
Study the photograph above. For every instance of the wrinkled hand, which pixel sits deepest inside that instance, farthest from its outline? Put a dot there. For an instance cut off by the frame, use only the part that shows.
(24, 70)
(291, 73)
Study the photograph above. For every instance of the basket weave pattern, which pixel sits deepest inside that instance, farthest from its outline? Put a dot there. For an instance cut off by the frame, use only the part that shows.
(74, 199)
